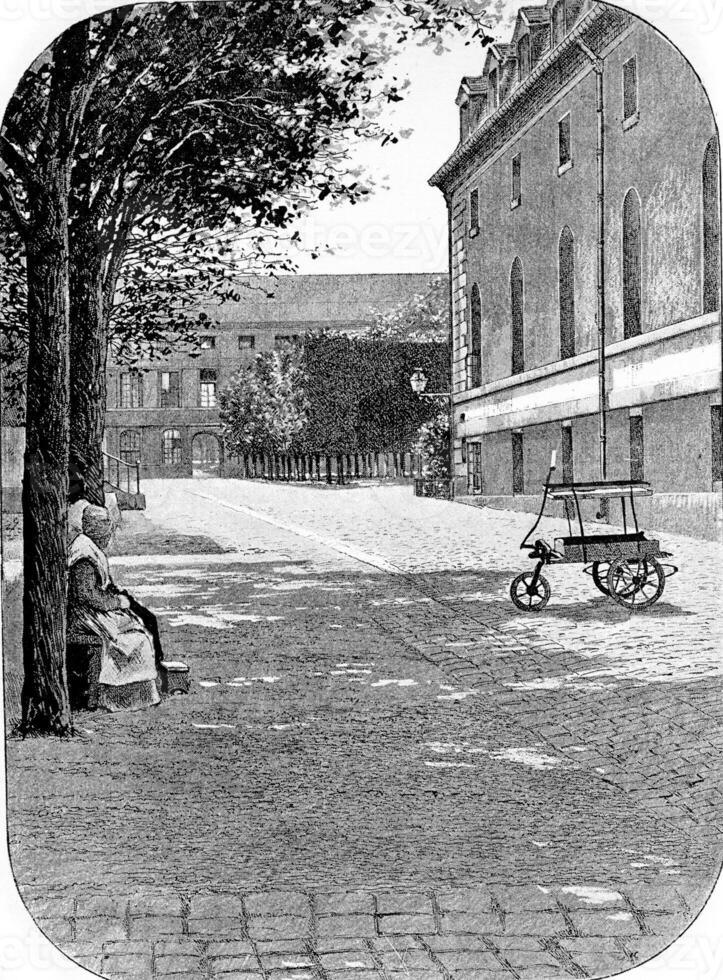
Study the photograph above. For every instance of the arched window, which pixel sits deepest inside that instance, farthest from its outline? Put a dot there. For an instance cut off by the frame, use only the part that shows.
(567, 294)
(171, 447)
(711, 228)
(130, 446)
(475, 364)
(517, 305)
(523, 55)
(632, 265)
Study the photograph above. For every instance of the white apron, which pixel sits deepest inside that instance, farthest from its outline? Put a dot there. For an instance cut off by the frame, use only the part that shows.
(127, 655)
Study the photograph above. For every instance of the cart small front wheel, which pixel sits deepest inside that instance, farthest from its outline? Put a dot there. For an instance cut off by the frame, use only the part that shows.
(529, 597)
(636, 583)
(600, 571)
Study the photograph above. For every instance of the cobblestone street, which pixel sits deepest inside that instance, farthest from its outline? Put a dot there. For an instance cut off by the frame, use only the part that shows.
(382, 767)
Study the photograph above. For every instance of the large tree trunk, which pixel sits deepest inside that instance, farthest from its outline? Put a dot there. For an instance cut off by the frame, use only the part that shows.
(45, 703)
(88, 353)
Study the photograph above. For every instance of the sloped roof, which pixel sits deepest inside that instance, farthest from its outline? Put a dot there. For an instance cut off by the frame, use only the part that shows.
(535, 15)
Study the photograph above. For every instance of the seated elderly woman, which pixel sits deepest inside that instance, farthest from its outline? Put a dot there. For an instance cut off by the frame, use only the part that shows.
(125, 675)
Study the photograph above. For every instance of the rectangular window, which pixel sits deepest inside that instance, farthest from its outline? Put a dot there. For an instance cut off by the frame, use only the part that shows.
(246, 342)
(208, 388)
(517, 180)
(170, 389)
(716, 428)
(493, 90)
(565, 141)
(518, 464)
(208, 343)
(474, 210)
(131, 390)
(630, 89)
(474, 468)
(637, 448)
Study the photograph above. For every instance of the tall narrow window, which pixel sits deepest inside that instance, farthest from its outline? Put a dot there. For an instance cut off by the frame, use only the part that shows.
(630, 89)
(493, 89)
(130, 446)
(632, 265)
(131, 390)
(567, 294)
(523, 55)
(568, 466)
(518, 464)
(170, 389)
(208, 388)
(711, 228)
(565, 141)
(474, 210)
(716, 431)
(171, 447)
(637, 448)
(517, 180)
(475, 359)
(517, 304)
(558, 22)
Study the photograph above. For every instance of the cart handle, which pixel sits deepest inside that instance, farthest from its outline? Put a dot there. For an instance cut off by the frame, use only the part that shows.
(553, 467)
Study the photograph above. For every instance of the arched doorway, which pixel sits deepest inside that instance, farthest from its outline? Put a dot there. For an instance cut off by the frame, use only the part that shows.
(206, 455)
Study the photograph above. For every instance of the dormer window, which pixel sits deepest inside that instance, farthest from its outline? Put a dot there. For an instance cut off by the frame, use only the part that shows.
(524, 64)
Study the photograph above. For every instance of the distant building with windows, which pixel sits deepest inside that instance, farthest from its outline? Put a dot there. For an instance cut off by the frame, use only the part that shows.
(164, 413)
(584, 209)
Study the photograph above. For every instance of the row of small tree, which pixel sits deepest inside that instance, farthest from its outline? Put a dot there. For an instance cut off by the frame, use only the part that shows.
(144, 155)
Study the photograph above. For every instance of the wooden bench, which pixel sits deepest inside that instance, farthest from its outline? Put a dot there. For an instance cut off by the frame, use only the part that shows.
(80, 650)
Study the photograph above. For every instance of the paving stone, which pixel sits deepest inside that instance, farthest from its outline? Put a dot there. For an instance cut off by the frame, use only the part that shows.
(156, 903)
(603, 964)
(345, 925)
(330, 944)
(276, 926)
(591, 898)
(236, 947)
(247, 963)
(45, 907)
(667, 926)
(476, 960)
(177, 963)
(470, 922)
(127, 964)
(524, 898)
(344, 903)
(591, 945)
(216, 906)
(118, 947)
(101, 928)
(109, 906)
(287, 961)
(153, 926)
(277, 903)
(384, 944)
(606, 923)
(351, 960)
(57, 930)
(535, 924)
(402, 961)
(465, 900)
(403, 902)
(651, 899)
(456, 943)
(353, 975)
(216, 928)
(393, 924)
(280, 944)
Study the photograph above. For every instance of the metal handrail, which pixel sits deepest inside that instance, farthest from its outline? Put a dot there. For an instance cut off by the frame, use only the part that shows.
(109, 460)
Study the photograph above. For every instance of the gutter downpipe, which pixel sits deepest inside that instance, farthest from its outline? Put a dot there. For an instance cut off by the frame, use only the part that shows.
(452, 474)
(598, 64)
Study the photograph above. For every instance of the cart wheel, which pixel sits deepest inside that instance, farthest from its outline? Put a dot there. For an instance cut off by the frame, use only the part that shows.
(635, 583)
(526, 598)
(600, 571)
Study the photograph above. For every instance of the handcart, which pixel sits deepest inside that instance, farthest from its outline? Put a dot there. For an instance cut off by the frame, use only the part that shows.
(627, 567)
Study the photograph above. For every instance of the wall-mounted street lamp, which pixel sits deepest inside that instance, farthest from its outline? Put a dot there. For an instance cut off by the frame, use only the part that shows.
(419, 382)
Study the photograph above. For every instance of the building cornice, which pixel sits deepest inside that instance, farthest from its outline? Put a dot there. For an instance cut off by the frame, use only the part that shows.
(467, 150)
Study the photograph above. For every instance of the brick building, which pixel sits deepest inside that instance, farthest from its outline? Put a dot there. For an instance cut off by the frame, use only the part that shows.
(165, 414)
(584, 208)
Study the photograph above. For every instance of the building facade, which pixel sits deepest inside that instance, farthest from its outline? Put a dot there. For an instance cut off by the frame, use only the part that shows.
(165, 413)
(584, 206)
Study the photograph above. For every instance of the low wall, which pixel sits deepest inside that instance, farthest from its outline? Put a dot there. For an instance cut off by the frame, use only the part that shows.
(697, 515)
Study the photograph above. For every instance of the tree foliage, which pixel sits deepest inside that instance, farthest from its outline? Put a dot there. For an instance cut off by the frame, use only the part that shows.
(432, 445)
(265, 408)
(422, 317)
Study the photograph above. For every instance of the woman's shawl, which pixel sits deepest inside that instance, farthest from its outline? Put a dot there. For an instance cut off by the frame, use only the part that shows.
(84, 548)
